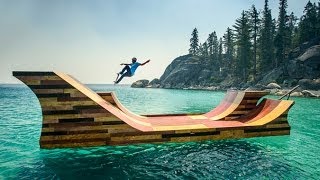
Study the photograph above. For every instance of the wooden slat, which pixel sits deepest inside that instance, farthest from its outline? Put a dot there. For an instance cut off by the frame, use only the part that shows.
(69, 116)
(68, 103)
(75, 136)
(47, 91)
(80, 128)
(54, 108)
(37, 78)
(32, 73)
(60, 133)
(31, 82)
(78, 144)
(267, 133)
(53, 82)
(106, 119)
(137, 137)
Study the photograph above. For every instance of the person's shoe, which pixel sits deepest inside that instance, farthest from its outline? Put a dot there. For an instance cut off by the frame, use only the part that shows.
(115, 82)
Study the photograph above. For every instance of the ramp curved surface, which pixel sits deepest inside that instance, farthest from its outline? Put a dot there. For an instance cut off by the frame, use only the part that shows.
(234, 104)
(165, 123)
(142, 126)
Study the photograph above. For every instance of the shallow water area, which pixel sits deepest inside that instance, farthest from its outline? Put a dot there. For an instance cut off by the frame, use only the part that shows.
(280, 157)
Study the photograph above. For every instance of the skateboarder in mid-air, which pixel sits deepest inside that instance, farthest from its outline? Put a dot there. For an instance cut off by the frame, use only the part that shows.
(129, 69)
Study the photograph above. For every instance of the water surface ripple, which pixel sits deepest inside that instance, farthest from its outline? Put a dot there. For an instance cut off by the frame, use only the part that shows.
(283, 157)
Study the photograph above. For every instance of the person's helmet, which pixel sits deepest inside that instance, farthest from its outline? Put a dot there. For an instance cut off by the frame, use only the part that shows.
(134, 59)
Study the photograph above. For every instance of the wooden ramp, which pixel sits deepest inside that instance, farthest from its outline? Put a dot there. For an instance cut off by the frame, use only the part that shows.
(74, 115)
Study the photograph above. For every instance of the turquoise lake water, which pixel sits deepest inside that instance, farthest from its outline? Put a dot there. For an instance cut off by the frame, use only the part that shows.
(296, 156)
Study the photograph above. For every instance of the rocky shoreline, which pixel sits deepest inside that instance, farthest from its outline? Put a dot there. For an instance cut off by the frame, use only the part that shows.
(272, 88)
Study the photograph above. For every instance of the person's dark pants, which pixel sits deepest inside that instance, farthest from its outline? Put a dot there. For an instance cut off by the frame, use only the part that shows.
(126, 72)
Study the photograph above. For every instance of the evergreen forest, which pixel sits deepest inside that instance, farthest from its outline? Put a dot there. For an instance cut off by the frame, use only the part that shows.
(258, 42)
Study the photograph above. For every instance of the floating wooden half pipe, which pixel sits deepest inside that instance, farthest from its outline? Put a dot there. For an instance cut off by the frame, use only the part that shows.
(75, 116)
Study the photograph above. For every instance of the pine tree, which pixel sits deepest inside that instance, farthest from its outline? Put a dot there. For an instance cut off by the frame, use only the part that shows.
(228, 41)
(291, 31)
(194, 42)
(203, 50)
(210, 44)
(281, 36)
(295, 37)
(242, 29)
(215, 46)
(266, 47)
(220, 54)
(274, 34)
(308, 23)
(255, 24)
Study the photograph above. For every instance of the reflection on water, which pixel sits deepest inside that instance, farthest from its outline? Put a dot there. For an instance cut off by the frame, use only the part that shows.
(210, 160)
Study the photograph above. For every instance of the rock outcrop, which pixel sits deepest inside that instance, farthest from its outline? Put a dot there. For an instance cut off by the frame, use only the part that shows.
(272, 76)
(296, 94)
(140, 84)
(155, 83)
(187, 71)
(273, 86)
(307, 93)
(307, 65)
(310, 84)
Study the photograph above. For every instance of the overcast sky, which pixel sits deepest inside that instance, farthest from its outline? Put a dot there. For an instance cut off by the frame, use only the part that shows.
(90, 38)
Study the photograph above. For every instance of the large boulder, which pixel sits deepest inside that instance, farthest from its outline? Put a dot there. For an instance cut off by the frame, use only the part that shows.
(140, 83)
(188, 71)
(273, 86)
(280, 92)
(296, 94)
(307, 65)
(303, 47)
(155, 83)
(228, 82)
(310, 84)
(272, 76)
(307, 93)
(311, 55)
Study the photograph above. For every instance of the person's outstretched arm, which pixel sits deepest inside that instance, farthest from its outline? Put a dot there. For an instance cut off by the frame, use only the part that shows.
(144, 63)
(125, 64)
